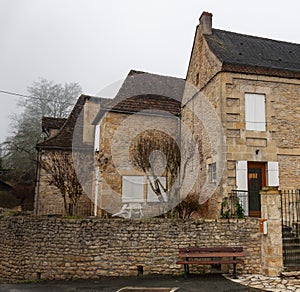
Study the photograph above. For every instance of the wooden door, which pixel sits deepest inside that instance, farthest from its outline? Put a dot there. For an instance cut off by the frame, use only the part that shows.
(256, 181)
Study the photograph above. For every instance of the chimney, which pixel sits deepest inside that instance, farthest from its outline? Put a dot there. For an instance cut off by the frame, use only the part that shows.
(205, 23)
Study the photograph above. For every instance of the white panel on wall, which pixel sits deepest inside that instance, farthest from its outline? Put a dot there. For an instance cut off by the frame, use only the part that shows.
(242, 183)
(132, 189)
(273, 174)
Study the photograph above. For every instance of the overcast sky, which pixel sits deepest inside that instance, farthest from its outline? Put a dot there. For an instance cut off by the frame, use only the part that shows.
(97, 42)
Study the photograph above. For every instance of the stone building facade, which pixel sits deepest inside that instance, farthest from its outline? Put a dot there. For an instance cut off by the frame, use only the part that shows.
(249, 85)
(253, 84)
(106, 127)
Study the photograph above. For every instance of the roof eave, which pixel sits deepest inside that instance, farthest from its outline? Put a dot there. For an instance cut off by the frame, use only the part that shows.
(259, 70)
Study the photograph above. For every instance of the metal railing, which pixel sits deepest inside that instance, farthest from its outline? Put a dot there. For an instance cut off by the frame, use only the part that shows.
(235, 205)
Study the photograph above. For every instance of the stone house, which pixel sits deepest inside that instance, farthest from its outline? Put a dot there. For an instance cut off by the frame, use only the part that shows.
(247, 86)
(58, 140)
(106, 126)
(253, 84)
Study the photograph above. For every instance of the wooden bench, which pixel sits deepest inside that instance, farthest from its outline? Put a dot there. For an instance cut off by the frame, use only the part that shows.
(209, 256)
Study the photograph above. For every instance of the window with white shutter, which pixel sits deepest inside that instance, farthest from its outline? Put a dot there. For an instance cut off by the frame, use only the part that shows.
(255, 111)
(132, 189)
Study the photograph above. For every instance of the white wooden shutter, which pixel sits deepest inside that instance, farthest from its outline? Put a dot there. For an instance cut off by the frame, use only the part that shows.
(132, 189)
(273, 174)
(242, 184)
(255, 112)
(97, 138)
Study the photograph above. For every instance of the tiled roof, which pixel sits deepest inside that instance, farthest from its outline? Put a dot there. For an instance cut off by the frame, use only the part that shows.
(140, 92)
(52, 123)
(146, 92)
(5, 186)
(64, 138)
(139, 83)
(250, 54)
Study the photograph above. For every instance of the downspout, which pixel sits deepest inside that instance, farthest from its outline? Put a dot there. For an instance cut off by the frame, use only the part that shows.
(37, 183)
(96, 191)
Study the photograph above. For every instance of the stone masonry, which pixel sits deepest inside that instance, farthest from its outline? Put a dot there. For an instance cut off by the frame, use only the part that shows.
(53, 248)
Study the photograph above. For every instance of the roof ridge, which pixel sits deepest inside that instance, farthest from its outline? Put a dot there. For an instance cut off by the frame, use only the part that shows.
(133, 72)
(254, 36)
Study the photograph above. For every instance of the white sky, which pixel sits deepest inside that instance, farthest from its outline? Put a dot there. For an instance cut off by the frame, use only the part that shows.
(97, 42)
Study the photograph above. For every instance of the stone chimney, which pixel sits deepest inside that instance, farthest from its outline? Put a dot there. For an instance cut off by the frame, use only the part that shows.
(205, 23)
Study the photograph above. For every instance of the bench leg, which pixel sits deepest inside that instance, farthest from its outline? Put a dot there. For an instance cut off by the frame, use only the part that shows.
(234, 275)
(186, 271)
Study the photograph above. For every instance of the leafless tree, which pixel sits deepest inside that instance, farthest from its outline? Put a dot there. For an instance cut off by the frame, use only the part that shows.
(45, 98)
(61, 174)
(156, 154)
(153, 151)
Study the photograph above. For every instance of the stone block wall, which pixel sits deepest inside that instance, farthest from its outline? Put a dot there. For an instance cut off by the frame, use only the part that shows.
(48, 198)
(54, 248)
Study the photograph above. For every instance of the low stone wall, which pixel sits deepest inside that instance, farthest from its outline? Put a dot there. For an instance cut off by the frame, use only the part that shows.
(52, 248)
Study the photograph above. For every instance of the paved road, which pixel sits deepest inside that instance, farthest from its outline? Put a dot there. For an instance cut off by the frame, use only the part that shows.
(196, 283)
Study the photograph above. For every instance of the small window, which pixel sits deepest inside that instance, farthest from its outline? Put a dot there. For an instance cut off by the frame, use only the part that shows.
(132, 189)
(213, 172)
(197, 79)
(255, 112)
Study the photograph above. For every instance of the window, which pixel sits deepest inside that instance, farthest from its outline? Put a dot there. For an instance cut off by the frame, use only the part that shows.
(213, 172)
(132, 189)
(255, 112)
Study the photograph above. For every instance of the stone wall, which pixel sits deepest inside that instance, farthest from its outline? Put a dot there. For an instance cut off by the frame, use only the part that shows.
(53, 248)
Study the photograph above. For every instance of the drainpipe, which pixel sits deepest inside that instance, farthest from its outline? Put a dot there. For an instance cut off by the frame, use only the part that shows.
(96, 191)
(37, 182)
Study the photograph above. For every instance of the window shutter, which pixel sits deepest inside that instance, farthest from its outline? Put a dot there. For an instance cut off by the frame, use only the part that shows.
(97, 138)
(132, 189)
(242, 184)
(255, 112)
(273, 174)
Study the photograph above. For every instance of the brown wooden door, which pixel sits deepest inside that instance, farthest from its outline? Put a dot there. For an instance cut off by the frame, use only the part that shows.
(256, 181)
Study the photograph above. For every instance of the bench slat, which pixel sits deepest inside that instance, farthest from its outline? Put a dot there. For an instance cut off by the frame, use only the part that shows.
(211, 255)
(209, 262)
(212, 249)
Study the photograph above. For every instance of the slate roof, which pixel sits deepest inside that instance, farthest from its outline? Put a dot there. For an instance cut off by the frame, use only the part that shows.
(257, 55)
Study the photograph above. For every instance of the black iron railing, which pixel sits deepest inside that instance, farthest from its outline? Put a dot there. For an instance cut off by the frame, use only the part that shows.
(290, 214)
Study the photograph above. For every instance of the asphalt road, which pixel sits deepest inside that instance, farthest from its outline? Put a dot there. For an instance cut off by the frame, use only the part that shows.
(195, 283)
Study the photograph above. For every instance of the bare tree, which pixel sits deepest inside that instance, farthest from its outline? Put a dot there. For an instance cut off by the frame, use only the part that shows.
(157, 154)
(46, 99)
(61, 174)
(188, 206)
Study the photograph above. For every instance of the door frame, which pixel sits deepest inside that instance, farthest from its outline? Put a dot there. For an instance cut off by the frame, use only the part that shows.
(255, 165)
